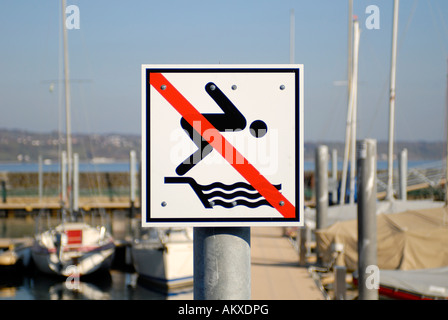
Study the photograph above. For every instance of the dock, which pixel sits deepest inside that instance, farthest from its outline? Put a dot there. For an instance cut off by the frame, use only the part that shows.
(53, 204)
(275, 272)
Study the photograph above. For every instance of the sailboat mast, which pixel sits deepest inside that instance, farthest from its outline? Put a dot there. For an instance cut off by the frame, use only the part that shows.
(354, 103)
(349, 109)
(350, 47)
(390, 157)
(291, 37)
(446, 128)
(67, 109)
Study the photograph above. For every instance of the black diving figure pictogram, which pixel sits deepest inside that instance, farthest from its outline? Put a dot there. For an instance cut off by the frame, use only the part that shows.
(232, 120)
(216, 193)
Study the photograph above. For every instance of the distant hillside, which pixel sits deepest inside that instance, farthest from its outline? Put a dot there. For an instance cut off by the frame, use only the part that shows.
(19, 145)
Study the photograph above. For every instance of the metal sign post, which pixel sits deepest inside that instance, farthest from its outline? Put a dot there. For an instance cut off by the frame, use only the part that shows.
(222, 263)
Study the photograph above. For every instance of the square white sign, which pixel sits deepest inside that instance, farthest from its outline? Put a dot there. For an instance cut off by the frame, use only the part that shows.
(222, 145)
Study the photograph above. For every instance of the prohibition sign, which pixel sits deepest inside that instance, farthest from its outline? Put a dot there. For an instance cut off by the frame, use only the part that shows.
(213, 136)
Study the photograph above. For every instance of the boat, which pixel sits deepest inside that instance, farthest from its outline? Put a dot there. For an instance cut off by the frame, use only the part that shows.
(15, 252)
(163, 257)
(409, 240)
(421, 284)
(426, 284)
(88, 248)
(412, 252)
(73, 247)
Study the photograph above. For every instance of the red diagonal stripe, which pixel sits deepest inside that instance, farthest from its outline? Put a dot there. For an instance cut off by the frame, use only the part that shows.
(220, 144)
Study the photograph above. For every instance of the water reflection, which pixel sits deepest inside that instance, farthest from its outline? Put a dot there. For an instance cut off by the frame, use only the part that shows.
(112, 285)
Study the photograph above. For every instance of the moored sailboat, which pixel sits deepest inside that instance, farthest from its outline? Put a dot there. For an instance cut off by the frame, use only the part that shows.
(73, 247)
(164, 257)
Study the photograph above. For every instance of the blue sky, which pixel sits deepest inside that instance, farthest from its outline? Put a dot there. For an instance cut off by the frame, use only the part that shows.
(116, 37)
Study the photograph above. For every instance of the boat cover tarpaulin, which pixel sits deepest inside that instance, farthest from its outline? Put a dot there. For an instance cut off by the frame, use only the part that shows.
(414, 239)
(430, 283)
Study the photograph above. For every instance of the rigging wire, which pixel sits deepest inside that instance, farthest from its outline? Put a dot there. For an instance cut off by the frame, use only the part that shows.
(49, 108)
(408, 24)
(444, 49)
(336, 109)
(94, 184)
(442, 19)
(381, 98)
(436, 29)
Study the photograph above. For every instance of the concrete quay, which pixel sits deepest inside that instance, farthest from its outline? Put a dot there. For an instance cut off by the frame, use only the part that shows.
(275, 272)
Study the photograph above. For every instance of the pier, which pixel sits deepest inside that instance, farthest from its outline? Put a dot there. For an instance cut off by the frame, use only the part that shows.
(276, 274)
(53, 204)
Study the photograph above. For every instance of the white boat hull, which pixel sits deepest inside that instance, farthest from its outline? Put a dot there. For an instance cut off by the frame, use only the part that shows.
(88, 262)
(170, 267)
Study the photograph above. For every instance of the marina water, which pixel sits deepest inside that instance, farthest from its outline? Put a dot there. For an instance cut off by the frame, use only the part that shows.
(124, 166)
(121, 282)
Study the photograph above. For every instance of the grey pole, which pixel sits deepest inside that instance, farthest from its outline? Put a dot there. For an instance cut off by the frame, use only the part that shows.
(367, 232)
(132, 177)
(301, 235)
(75, 182)
(3, 191)
(40, 178)
(63, 178)
(403, 171)
(291, 36)
(334, 176)
(340, 273)
(321, 183)
(222, 263)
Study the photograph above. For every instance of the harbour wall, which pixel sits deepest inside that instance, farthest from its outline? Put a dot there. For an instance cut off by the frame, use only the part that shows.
(27, 183)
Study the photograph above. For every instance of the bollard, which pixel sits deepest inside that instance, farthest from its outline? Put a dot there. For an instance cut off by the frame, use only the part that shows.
(75, 182)
(64, 178)
(40, 177)
(334, 176)
(367, 231)
(403, 172)
(132, 183)
(339, 282)
(222, 263)
(321, 183)
(3, 191)
(301, 236)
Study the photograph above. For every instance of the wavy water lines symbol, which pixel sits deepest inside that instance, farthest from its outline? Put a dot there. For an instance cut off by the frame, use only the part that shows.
(227, 196)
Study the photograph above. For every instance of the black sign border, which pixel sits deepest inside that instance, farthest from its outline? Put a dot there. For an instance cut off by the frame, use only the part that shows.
(217, 221)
